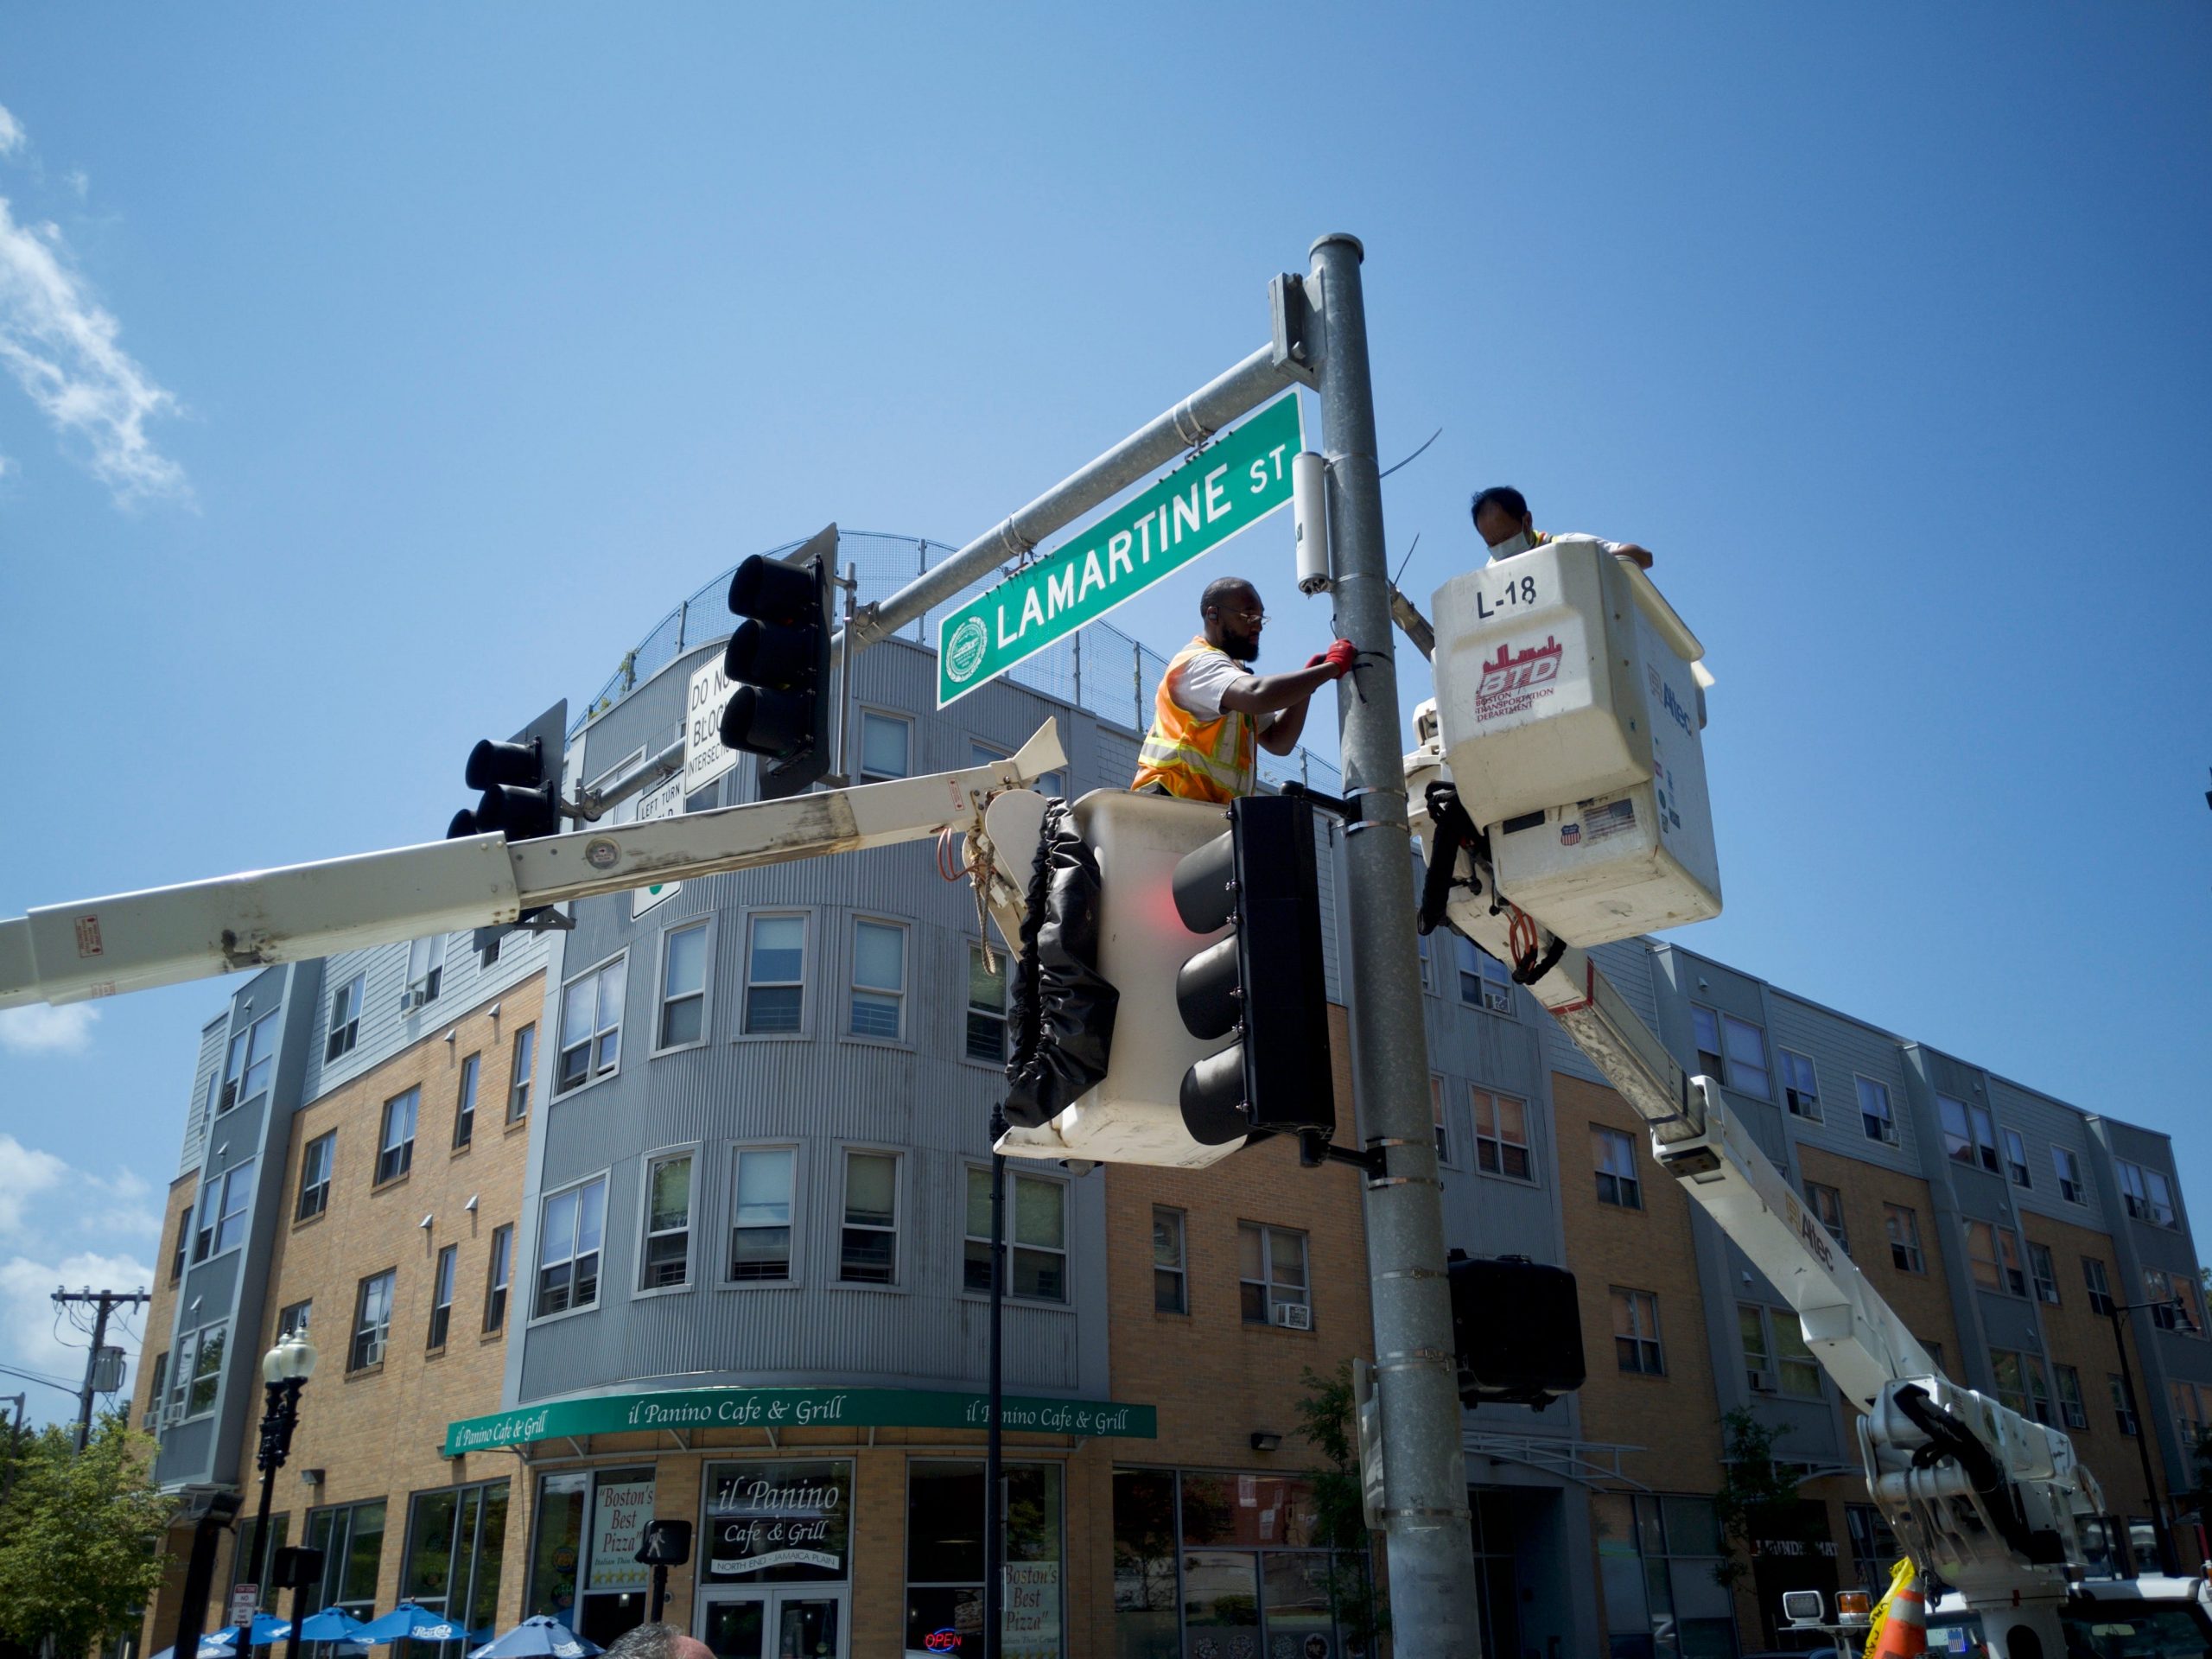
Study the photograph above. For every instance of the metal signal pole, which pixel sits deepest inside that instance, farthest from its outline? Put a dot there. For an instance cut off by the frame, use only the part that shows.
(1426, 1539)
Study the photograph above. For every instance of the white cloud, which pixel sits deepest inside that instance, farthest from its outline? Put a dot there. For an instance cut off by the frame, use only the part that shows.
(25, 1172)
(36, 1336)
(39, 1029)
(62, 347)
(6, 466)
(11, 132)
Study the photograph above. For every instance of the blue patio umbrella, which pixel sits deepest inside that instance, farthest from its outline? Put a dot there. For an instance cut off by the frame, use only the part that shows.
(268, 1629)
(538, 1638)
(212, 1646)
(407, 1622)
(331, 1624)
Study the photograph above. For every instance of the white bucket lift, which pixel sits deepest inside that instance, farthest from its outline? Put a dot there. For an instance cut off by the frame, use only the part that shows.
(1571, 703)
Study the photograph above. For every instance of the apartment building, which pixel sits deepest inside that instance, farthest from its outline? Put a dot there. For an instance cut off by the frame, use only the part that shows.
(682, 1211)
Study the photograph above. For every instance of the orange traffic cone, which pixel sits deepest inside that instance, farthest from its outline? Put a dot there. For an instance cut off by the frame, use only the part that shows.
(1904, 1632)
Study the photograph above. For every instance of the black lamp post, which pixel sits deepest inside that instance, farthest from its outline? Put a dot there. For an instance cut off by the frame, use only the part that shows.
(284, 1371)
(2159, 1527)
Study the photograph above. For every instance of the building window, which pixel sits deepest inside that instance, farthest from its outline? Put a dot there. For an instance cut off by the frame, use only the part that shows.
(1731, 1051)
(344, 1019)
(775, 975)
(1636, 1331)
(223, 1205)
(1903, 1226)
(879, 1008)
(945, 1564)
(1271, 1269)
(1501, 1135)
(315, 1165)
(2192, 1408)
(441, 1297)
(352, 1542)
(760, 1231)
(1800, 1087)
(157, 1379)
(1875, 1118)
(2071, 1185)
(591, 1025)
(183, 1245)
(2123, 1414)
(1615, 1156)
(887, 746)
(249, 1063)
(1436, 1116)
(371, 1320)
(294, 1320)
(987, 991)
(426, 972)
(754, 1511)
(568, 1249)
(396, 1144)
(499, 1275)
(2010, 1374)
(200, 1381)
(519, 1067)
(1985, 1242)
(464, 1105)
(667, 1253)
(2173, 1303)
(2045, 1275)
(2100, 1286)
(2016, 1158)
(1037, 1236)
(2072, 1411)
(1969, 1136)
(1827, 1204)
(1420, 939)
(1484, 981)
(1775, 1353)
(1758, 1357)
(1170, 1278)
(456, 1536)
(868, 1251)
(2149, 1195)
(683, 985)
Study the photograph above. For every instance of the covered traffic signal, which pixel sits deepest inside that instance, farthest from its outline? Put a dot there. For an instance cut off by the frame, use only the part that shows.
(1516, 1329)
(1263, 983)
(779, 660)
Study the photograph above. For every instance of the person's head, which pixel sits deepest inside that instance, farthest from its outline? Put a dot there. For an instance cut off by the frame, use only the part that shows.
(658, 1641)
(1501, 513)
(1233, 616)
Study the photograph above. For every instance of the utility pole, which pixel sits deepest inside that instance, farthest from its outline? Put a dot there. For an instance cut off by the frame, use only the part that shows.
(105, 1302)
(1426, 1533)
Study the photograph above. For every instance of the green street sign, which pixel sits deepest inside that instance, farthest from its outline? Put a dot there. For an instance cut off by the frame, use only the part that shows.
(1230, 486)
(688, 1408)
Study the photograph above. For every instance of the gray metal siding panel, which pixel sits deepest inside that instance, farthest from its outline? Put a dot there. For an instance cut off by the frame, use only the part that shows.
(2044, 1123)
(1841, 1051)
(385, 1031)
(214, 1037)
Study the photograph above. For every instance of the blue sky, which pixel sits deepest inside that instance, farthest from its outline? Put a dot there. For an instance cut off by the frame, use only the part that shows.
(372, 377)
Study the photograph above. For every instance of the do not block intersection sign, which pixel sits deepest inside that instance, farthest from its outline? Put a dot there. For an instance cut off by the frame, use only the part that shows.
(1225, 488)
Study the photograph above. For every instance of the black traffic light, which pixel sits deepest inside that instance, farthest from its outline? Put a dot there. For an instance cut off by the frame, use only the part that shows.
(518, 782)
(1263, 982)
(779, 660)
(1517, 1330)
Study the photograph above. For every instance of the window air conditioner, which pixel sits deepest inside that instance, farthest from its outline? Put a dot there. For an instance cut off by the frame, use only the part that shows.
(414, 996)
(230, 1095)
(1295, 1316)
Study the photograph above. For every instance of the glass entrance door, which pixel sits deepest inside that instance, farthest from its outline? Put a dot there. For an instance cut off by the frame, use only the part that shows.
(804, 1622)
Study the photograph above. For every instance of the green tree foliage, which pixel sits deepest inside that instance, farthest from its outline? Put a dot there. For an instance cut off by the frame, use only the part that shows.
(1328, 1423)
(1756, 1499)
(78, 1534)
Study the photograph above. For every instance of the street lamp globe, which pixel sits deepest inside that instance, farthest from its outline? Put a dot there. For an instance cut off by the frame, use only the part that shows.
(291, 1360)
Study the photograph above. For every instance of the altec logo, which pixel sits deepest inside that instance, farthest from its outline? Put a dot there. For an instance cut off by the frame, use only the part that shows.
(1517, 678)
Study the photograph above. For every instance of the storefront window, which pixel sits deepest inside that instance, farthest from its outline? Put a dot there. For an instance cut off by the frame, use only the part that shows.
(1656, 1558)
(454, 1539)
(352, 1542)
(777, 1522)
(944, 1561)
(581, 1570)
(1225, 1564)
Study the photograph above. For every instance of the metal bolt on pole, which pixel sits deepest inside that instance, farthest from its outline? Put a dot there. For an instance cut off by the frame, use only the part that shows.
(1426, 1536)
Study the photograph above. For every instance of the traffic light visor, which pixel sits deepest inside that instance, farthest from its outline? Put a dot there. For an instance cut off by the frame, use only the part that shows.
(492, 764)
(772, 591)
(781, 657)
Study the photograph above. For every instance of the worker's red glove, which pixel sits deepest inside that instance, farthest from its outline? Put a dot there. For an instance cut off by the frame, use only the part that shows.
(1341, 656)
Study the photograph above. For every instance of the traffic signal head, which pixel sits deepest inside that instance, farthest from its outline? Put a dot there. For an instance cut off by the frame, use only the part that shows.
(1517, 1330)
(1264, 984)
(518, 800)
(779, 660)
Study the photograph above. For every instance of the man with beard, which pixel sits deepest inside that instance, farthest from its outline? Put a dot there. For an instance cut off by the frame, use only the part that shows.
(1210, 708)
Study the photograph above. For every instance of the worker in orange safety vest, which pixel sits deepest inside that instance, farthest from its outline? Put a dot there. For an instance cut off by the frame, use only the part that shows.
(1212, 710)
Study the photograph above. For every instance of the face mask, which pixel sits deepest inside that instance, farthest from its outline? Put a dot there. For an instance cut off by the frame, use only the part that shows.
(1518, 542)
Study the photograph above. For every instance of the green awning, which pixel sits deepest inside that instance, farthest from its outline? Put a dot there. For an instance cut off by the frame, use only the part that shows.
(781, 1409)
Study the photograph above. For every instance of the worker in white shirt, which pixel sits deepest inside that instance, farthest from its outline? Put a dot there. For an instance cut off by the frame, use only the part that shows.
(1503, 521)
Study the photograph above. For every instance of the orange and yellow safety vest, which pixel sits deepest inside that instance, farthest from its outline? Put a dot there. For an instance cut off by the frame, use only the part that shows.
(1196, 760)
